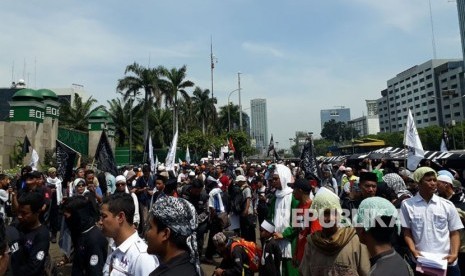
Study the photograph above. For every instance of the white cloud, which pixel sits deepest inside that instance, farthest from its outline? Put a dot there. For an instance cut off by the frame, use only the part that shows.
(406, 15)
(264, 49)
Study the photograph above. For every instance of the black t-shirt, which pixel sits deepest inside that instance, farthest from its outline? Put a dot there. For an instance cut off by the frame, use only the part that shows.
(32, 252)
(90, 253)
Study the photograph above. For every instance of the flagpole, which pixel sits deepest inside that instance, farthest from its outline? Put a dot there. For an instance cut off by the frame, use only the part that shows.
(69, 147)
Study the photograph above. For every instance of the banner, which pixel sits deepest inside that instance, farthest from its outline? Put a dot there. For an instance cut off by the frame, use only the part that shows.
(413, 143)
(104, 156)
(170, 158)
(149, 154)
(66, 157)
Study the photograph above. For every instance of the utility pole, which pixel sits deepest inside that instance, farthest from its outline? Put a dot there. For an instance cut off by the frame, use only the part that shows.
(212, 62)
(240, 104)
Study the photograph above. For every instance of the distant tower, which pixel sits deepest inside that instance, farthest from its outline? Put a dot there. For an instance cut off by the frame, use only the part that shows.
(461, 12)
(259, 123)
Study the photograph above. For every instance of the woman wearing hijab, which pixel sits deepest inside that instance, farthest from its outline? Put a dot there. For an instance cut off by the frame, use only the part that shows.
(172, 237)
(336, 250)
(280, 215)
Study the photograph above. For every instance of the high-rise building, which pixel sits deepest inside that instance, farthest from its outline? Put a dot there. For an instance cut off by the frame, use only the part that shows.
(432, 90)
(340, 114)
(367, 124)
(461, 12)
(259, 118)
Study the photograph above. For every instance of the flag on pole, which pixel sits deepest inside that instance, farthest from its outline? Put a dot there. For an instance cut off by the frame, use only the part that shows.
(308, 161)
(170, 158)
(271, 149)
(104, 156)
(444, 141)
(156, 164)
(231, 145)
(413, 143)
(26, 145)
(34, 160)
(66, 157)
(188, 156)
(150, 155)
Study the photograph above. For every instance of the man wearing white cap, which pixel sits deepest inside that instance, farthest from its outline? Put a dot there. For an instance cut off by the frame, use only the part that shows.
(121, 187)
(270, 262)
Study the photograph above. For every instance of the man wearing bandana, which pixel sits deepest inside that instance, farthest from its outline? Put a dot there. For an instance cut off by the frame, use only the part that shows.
(172, 237)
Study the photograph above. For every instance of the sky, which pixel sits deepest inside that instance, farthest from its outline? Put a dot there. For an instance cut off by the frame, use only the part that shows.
(301, 55)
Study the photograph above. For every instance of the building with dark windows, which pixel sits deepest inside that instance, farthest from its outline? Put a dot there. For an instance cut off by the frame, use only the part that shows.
(432, 90)
(339, 114)
(259, 120)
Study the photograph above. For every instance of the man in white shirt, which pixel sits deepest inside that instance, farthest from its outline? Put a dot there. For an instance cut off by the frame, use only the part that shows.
(431, 224)
(129, 256)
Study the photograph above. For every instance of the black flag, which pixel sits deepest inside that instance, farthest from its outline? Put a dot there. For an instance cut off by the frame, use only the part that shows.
(308, 161)
(271, 149)
(65, 161)
(104, 156)
(26, 145)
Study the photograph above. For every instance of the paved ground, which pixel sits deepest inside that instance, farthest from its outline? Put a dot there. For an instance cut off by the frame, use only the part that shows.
(66, 270)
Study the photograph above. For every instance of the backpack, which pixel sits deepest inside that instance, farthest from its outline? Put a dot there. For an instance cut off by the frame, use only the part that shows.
(237, 199)
(253, 252)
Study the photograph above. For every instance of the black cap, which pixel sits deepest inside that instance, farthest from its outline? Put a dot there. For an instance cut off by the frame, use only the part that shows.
(33, 174)
(368, 176)
(302, 184)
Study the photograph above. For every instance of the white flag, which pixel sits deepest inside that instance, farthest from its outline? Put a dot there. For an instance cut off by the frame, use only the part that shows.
(34, 160)
(153, 169)
(170, 158)
(188, 156)
(413, 144)
(156, 164)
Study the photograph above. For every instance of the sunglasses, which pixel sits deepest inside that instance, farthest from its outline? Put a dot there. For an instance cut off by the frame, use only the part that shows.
(120, 184)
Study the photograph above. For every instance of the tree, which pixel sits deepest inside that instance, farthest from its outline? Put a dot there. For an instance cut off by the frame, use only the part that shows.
(160, 122)
(230, 114)
(146, 79)
(76, 115)
(173, 84)
(204, 106)
(120, 111)
(338, 131)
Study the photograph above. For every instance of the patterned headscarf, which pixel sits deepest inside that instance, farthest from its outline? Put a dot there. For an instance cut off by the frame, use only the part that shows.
(420, 172)
(374, 207)
(179, 215)
(395, 182)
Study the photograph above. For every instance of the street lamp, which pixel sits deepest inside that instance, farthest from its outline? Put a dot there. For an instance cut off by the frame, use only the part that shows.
(229, 107)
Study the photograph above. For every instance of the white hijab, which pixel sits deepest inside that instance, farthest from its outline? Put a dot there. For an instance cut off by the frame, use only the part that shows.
(283, 208)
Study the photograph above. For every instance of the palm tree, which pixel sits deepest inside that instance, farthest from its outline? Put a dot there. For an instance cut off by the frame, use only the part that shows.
(146, 79)
(160, 121)
(120, 112)
(185, 113)
(76, 115)
(204, 106)
(173, 84)
(228, 117)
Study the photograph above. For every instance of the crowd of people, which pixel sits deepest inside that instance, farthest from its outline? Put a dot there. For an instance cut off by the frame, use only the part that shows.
(367, 219)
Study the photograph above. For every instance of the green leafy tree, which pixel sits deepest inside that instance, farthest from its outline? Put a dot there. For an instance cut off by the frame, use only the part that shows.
(173, 84)
(161, 126)
(75, 115)
(204, 107)
(230, 114)
(120, 111)
(139, 78)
